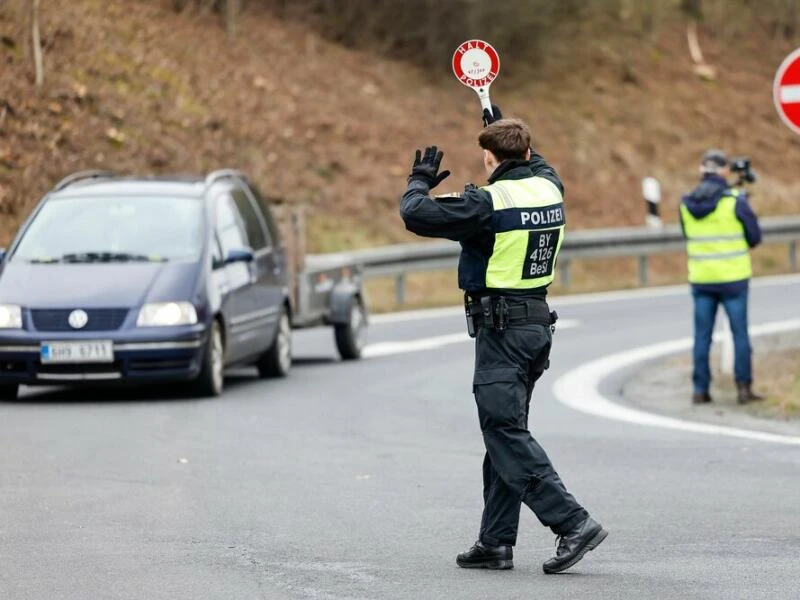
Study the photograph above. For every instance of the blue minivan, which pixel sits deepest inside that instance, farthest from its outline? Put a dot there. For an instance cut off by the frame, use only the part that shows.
(125, 279)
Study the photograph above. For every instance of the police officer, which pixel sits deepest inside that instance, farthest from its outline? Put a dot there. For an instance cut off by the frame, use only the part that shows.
(510, 233)
(720, 228)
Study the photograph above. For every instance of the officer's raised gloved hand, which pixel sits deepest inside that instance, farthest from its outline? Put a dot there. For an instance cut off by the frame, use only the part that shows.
(426, 167)
(491, 117)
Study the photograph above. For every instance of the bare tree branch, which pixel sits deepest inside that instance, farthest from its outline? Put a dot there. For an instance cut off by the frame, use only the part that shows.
(37, 45)
(701, 68)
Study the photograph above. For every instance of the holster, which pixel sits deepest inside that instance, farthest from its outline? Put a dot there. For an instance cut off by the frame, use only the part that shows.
(470, 319)
(499, 312)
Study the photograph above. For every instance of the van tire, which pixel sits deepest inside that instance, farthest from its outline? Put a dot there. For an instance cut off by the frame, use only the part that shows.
(277, 360)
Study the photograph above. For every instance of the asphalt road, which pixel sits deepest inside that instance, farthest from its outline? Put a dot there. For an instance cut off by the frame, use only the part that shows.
(362, 480)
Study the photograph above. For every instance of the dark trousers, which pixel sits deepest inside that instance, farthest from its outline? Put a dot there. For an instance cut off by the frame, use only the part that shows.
(705, 314)
(516, 468)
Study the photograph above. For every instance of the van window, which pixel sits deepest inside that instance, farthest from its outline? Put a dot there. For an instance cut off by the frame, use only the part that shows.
(274, 231)
(230, 226)
(252, 220)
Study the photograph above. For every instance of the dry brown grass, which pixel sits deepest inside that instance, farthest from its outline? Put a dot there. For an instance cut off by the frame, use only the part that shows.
(780, 376)
(777, 377)
(131, 85)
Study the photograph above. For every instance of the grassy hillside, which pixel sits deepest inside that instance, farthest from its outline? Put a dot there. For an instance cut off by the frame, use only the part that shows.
(133, 86)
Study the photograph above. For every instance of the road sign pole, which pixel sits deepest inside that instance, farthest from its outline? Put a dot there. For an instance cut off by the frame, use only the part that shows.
(486, 103)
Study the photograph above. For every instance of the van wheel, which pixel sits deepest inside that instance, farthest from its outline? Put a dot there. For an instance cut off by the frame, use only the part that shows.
(277, 360)
(351, 337)
(9, 391)
(211, 379)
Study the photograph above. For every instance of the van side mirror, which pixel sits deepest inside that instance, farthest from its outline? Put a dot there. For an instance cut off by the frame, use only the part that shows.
(240, 255)
(3, 252)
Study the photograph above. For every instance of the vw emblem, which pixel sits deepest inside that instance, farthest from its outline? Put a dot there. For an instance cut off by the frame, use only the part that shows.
(78, 319)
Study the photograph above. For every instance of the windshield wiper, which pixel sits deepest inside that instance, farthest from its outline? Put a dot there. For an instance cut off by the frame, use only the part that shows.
(81, 257)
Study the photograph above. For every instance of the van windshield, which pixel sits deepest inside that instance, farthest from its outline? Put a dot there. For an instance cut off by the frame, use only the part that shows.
(105, 229)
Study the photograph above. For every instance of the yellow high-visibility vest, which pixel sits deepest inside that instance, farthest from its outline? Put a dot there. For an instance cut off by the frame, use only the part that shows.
(716, 246)
(529, 224)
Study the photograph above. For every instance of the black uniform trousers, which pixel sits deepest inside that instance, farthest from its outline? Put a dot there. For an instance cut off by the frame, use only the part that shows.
(516, 468)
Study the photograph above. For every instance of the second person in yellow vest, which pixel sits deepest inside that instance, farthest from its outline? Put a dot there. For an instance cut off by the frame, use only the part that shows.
(720, 228)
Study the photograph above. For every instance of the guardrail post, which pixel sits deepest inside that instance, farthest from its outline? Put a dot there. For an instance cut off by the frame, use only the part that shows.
(643, 270)
(793, 255)
(400, 289)
(563, 269)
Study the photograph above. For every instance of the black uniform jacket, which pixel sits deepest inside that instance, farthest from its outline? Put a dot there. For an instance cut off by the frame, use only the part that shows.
(467, 218)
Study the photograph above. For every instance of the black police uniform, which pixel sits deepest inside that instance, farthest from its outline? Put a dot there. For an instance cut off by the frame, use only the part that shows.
(508, 363)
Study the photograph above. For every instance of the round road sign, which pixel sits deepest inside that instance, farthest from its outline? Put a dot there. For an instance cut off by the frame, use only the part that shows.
(476, 64)
(786, 91)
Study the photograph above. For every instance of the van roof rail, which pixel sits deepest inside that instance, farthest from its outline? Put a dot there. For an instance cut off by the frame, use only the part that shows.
(80, 175)
(219, 174)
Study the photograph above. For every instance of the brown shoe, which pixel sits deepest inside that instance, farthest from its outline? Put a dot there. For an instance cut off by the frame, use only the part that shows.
(745, 394)
(703, 398)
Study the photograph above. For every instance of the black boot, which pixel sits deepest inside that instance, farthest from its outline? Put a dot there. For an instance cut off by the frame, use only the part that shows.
(701, 398)
(574, 544)
(745, 394)
(486, 557)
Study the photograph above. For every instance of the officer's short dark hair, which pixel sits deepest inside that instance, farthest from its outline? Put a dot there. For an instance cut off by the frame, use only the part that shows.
(506, 139)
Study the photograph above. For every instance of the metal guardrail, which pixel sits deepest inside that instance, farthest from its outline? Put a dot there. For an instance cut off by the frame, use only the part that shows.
(642, 242)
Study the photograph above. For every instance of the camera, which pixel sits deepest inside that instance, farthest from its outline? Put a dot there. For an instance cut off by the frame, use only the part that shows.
(741, 167)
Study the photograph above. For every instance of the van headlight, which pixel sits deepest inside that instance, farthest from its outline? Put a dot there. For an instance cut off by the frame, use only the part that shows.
(166, 314)
(10, 316)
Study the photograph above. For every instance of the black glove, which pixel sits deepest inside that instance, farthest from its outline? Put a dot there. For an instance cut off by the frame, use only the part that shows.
(426, 167)
(491, 117)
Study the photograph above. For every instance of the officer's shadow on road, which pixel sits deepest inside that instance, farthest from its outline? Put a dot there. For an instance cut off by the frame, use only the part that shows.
(235, 379)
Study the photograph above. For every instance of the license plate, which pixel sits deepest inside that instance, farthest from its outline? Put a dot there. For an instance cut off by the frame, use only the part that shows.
(77, 352)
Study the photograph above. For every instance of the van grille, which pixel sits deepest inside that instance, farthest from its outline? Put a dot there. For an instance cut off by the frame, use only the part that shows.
(100, 319)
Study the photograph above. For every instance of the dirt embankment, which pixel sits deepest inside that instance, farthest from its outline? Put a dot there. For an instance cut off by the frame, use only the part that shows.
(134, 87)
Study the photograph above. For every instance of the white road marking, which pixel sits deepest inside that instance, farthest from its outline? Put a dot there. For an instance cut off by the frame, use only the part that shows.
(579, 389)
(432, 343)
(417, 315)
(580, 299)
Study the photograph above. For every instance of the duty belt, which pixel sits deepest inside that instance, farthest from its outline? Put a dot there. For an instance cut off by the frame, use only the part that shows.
(500, 312)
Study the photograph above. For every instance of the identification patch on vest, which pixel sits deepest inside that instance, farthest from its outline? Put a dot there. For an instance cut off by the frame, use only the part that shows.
(542, 217)
(540, 258)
